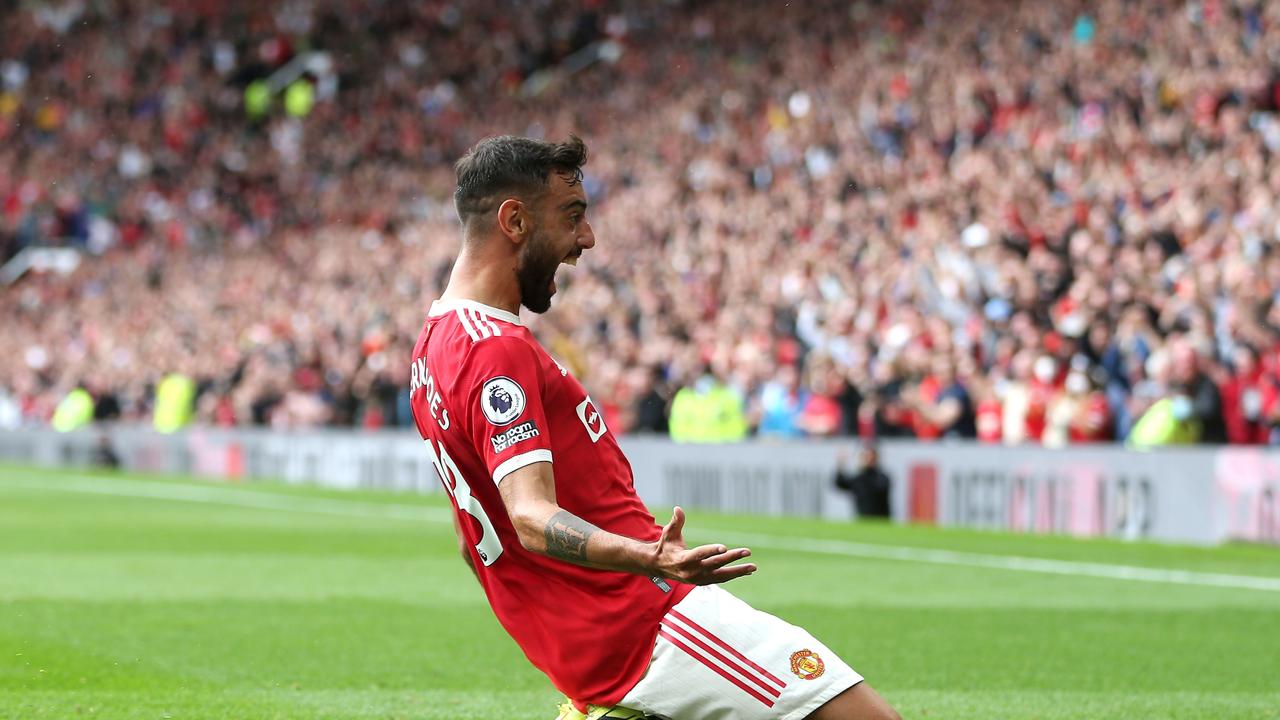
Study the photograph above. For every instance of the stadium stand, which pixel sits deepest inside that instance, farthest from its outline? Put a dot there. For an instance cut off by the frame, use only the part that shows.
(1048, 222)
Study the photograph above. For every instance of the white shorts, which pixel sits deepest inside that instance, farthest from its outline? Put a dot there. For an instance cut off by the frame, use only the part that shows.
(718, 657)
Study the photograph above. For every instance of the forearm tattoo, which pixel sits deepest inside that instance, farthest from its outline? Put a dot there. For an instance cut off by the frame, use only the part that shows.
(567, 536)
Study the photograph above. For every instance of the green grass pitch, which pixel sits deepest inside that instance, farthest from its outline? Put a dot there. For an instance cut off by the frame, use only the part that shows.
(136, 597)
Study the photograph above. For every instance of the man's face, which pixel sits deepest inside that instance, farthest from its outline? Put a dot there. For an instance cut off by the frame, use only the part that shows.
(944, 370)
(560, 234)
(1245, 362)
(1185, 365)
(868, 457)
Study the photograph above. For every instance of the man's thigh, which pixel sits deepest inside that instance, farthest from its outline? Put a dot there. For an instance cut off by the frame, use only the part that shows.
(717, 657)
(859, 702)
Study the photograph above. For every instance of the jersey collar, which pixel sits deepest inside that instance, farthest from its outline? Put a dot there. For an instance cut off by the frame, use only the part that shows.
(440, 307)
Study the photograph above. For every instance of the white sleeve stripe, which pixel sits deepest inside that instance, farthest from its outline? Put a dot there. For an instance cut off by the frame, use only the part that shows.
(512, 464)
(485, 324)
(492, 325)
(466, 325)
(479, 326)
(475, 323)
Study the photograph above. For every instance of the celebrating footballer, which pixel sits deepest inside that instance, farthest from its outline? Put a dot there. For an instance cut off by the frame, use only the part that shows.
(623, 617)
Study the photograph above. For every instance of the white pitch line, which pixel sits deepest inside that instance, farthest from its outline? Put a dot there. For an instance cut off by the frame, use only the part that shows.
(241, 497)
(1002, 562)
(233, 497)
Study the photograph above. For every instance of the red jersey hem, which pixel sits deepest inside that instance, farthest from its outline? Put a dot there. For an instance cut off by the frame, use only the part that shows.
(633, 678)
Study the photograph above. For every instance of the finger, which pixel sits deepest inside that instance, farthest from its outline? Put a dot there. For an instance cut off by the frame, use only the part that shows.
(702, 552)
(675, 527)
(726, 557)
(729, 572)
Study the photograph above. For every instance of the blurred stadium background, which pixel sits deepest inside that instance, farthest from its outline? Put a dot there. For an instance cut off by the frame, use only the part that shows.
(1027, 251)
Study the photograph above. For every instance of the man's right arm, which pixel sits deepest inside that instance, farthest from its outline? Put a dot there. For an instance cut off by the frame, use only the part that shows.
(547, 529)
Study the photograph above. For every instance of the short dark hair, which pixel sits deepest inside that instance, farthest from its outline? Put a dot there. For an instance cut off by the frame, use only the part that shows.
(499, 167)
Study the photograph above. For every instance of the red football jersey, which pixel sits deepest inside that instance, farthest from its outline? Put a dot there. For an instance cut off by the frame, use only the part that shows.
(489, 400)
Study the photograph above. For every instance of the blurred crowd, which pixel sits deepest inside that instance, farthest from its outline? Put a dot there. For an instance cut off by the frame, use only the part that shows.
(1028, 222)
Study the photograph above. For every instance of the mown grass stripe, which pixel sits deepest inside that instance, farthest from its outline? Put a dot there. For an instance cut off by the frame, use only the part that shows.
(243, 497)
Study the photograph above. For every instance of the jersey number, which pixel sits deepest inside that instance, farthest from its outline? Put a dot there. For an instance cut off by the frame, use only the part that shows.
(489, 548)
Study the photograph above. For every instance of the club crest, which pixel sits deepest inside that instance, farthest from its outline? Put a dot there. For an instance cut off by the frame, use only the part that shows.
(807, 665)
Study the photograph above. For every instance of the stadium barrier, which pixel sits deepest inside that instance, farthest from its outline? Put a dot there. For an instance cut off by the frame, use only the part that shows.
(1189, 495)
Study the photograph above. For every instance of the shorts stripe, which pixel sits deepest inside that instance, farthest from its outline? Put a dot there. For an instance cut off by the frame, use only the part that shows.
(723, 673)
(677, 615)
(735, 667)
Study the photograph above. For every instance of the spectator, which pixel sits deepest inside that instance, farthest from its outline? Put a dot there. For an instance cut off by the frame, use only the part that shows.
(175, 396)
(1170, 421)
(869, 485)
(1026, 399)
(106, 407)
(820, 414)
(10, 411)
(1244, 393)
(988, 423)
(941, 404)
(1079, 413)
(1191, 381)
(74, 412)
(653, 398)
(781, 404)
(884, 414)
(708, 411)
(877, 187)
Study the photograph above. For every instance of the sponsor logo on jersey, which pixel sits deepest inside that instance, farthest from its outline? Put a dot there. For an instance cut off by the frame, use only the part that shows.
(807, 665)
(518, 434)
(591, 419)
(501, 400)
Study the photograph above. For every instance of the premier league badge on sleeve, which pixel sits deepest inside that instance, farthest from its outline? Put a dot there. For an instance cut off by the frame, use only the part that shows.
(502, 400)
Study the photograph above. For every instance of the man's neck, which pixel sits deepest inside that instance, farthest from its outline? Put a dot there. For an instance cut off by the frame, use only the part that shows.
(487, 283)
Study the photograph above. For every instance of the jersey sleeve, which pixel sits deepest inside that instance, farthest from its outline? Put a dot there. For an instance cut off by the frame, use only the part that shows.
(502, 389)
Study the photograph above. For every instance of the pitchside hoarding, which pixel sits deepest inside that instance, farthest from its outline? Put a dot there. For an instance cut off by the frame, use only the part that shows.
(1086, 492)
(1247, 494)
(1194, 495)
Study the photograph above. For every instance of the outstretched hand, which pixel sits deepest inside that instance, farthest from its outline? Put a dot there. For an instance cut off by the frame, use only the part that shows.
(703, 565)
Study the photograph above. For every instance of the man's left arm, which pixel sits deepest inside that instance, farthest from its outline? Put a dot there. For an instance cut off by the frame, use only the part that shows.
(944, 413)
(545, 528)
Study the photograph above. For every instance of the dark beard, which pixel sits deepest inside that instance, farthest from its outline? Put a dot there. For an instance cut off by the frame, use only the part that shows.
(537, 269)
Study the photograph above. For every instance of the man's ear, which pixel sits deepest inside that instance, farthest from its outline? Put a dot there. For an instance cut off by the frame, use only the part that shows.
(514, 220)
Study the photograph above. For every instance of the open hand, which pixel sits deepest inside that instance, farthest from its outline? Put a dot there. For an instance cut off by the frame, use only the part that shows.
(703, 565)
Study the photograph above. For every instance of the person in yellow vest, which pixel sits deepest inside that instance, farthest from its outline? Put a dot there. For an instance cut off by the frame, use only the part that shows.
(708, 411)
(1170, 421)
(299, 98)
(74, 411)
(175, 402)
(257, 99)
